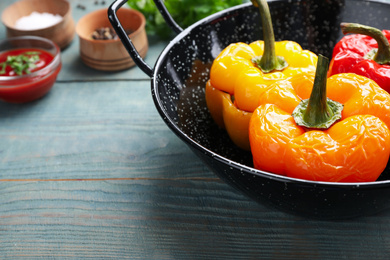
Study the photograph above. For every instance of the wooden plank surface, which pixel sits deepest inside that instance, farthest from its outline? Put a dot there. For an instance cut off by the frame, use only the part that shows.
(90, 130)
(92, 172)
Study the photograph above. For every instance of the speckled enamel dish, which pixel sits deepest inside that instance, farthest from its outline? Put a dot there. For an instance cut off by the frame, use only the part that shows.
(178, 82)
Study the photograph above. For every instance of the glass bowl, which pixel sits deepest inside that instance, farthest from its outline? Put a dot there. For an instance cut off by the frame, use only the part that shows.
(29, 87)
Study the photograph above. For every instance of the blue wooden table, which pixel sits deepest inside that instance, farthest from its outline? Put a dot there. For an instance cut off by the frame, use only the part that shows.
(91, 171)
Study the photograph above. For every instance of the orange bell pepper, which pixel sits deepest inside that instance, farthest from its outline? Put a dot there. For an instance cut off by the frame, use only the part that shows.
(334, 131)
(241, 72)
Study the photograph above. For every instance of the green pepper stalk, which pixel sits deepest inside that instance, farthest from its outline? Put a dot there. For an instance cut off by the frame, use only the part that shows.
(268, 61)
(318, 111)
(380, 55)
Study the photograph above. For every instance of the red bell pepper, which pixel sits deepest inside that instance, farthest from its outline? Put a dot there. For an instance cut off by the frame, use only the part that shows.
(366, 53)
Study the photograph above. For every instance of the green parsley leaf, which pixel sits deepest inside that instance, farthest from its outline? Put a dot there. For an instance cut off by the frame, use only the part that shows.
(20, 64)
(184, 12)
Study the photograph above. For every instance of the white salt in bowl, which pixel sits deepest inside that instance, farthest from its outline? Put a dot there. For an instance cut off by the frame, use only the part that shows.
(39, 13)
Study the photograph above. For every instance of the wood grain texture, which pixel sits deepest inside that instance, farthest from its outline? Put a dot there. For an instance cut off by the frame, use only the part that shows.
(92, 172)
(169, 219)
(90, 130)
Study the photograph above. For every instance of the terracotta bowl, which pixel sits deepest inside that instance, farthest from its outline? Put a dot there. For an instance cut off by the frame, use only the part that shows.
(111, 55)
(62, 33)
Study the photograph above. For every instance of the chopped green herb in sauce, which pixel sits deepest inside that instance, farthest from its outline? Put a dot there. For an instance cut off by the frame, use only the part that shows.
(22, 63)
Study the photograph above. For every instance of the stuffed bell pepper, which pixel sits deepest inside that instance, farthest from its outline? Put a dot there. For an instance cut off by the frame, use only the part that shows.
(332, 129)
(365, 52)
(242, 72)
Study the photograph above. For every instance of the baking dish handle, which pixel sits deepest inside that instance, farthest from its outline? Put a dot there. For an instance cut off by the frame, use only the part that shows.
(167, 16)
(126, 41)
(120, 31)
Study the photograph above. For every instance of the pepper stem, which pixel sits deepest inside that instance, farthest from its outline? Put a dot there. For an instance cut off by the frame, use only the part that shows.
(318, 111)
(268, 61)
(380, 55)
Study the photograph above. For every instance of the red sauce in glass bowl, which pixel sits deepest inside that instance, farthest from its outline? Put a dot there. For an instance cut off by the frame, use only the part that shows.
(39, 80)
(44, 58)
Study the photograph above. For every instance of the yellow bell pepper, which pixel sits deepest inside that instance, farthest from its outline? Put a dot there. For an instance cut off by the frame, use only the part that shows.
(242, 72)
